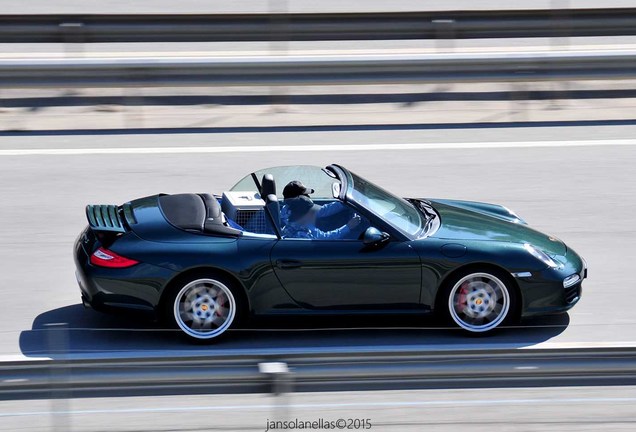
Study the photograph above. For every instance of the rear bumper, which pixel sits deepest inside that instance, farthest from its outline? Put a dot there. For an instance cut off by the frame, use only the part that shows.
(135, 288)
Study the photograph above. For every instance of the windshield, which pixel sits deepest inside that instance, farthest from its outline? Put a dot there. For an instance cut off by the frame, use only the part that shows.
(313, 177)
(396, 211)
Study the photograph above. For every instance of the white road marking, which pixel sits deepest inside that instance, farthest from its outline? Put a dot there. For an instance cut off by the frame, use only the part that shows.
(481, 402)
(310, 52)
(312, 148)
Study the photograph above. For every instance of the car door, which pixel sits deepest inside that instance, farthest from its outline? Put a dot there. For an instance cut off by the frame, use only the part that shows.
(347, 275)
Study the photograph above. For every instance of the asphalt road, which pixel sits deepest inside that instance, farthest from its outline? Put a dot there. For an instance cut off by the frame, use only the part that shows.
(480, 410)
(584, 195)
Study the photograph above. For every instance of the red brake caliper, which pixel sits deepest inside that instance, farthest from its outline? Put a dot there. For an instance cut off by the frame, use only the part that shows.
(216, 312)
(461, 299)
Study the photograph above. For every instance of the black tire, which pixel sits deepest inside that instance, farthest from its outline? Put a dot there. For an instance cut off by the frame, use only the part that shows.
(204, 297)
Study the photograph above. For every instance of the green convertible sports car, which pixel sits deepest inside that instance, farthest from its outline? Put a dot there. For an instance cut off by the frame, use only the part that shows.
(311, 240)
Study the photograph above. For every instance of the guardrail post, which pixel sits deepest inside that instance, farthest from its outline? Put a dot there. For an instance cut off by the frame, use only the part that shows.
(561, 29)
(73, 36)
(281, 385)
(133, 107)
(2, 108)
(444, 34)
(59, 376)
(561, 21)
(279, 41)
(519, 101)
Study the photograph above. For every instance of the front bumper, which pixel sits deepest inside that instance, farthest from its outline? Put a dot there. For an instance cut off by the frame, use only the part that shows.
(553, 290)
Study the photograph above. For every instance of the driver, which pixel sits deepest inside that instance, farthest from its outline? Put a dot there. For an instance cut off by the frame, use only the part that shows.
(296, 188)
(302, 222)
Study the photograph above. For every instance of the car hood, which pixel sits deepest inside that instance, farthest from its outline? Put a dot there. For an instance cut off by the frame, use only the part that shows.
(462, 224)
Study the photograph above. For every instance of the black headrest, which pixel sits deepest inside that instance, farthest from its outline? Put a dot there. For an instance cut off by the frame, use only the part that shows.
(185, 211)
(212, 206)
(268, 185)
(271, 201)
(214, 218)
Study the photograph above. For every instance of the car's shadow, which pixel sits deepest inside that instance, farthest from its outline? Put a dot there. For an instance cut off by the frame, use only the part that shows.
(78, 331)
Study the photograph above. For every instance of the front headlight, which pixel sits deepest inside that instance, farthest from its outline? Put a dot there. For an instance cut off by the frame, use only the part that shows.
(540, 255)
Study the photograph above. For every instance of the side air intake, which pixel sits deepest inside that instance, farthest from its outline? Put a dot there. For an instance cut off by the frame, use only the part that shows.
(104, 218)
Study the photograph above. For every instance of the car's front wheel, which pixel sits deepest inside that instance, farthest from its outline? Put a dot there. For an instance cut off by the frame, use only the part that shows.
(479, 302)
(203, 308)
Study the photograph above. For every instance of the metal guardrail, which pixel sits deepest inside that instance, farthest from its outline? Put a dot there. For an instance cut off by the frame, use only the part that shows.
(317, 26)
(317, 372)
(316, 70)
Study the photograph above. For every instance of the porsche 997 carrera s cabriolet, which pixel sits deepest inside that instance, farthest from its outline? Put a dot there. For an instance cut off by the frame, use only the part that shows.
(204, 263)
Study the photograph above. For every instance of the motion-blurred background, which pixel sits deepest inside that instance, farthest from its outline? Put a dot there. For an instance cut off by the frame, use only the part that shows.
(530, 104)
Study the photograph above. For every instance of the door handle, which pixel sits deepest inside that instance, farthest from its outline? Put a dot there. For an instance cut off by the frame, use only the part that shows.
(287, 264)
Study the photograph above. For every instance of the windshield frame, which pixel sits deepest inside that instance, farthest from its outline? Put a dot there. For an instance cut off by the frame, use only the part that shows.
(348, 183)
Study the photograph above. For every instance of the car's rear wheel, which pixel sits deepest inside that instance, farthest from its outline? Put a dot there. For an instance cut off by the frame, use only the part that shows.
(203, 308)
(479, 302)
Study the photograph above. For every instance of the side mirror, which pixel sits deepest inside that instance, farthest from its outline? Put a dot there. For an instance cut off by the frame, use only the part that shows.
(374, 237)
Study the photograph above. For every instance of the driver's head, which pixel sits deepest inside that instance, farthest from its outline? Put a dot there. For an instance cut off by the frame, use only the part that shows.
(302, 210)
(295, 189)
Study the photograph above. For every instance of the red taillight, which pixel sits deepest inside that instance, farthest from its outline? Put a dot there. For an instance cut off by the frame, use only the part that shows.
(103, 257)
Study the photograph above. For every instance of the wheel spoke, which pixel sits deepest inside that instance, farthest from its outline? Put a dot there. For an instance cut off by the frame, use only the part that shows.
(478, 321)
(496, 290)
(223, 311)
(218, 320)
(196, 322)
(191, 295)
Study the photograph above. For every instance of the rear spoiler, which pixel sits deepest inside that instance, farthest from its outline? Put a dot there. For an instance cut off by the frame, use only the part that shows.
(105, 217)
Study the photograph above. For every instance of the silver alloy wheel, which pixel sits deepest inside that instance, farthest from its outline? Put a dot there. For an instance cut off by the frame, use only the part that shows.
(479, 302)
(204, 308)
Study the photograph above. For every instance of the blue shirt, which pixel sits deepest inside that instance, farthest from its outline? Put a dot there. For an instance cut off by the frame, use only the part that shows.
(296, 230)
(326, 210)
